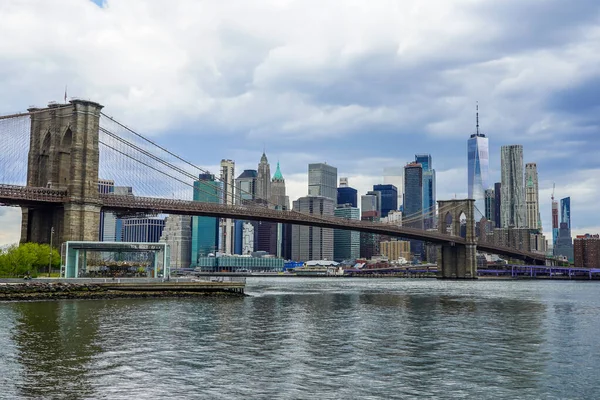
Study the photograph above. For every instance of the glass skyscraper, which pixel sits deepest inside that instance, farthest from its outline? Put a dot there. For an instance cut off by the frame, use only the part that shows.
(429, 195)
(205, 230)
(389, 198)
(322, 180)
(478, 167)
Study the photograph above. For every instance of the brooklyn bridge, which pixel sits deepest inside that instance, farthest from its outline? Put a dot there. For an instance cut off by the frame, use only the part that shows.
(54, 157)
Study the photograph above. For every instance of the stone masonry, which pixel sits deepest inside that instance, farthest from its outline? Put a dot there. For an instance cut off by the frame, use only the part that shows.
(63, 154)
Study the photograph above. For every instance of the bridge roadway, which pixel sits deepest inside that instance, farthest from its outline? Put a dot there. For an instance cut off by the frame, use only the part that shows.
(127, 204)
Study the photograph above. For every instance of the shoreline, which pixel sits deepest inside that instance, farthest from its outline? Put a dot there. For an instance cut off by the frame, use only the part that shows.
(89, 291)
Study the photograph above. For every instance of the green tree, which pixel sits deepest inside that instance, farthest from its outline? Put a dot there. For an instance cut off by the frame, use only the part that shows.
(17, 260)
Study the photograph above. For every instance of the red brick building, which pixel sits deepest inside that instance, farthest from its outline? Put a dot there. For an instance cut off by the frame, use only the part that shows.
(586, 249)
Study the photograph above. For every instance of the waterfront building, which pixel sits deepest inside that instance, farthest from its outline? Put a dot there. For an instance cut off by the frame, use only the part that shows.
(322, 180)
(396, 249)
(513, 194)
(228, 197)
(245, 186)
(586, 250)
(346, 194)
(490, 204)
(263, 179)
(178, 235)
(478, 165)
(429, 190)
(346, 244)
(143, 229)
(389, 198)
(395, 176)
(205, 230)
(498, 204)
(243, 263)
(532, 201)
(311, 242)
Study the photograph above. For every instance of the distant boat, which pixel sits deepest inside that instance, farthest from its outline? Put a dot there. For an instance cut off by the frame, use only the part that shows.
(319, 268)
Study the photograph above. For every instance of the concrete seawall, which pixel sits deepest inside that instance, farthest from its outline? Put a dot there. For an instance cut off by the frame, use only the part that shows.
(44, 290)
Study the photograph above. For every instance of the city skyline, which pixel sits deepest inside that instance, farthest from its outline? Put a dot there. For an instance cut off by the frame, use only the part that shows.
(248, 91)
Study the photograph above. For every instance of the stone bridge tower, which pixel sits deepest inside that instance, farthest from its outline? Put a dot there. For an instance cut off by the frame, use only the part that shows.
(457, 261)
(63, 154)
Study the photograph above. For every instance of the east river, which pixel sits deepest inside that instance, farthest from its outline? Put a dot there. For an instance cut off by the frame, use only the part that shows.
(309, 338)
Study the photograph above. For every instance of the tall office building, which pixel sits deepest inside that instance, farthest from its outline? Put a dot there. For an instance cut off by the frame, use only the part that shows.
(278, 191)
(263, 180)
(478, 165)
(322, 180)
(490, 204)
(281, 201)
(369, 242)
(413, 195)
(555, 224)
(395, 176)
(565, 211)
(513, 193)
(227, 179)
(346, 244)
(311, 242)
(346, 194)
(389, 198)
(245, 186)
(205, 230)
(532, 200)
(564, 242)
(429, 192)
(143, 229)
(498, 205)
(413, 203)
(178, 235)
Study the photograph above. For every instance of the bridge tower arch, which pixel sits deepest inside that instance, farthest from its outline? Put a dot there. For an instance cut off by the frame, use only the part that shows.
(64, 154)
(457, 261)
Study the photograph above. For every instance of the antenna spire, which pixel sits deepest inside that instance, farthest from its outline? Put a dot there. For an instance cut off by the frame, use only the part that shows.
(477, 117)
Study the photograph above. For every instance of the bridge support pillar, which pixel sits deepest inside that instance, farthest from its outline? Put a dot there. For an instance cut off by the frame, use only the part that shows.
(457, 261)
(64, 154)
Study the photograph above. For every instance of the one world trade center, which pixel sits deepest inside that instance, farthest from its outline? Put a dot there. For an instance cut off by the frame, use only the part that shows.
(478, 170)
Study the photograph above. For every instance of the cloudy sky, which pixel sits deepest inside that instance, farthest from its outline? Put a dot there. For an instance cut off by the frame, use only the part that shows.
(359, 84)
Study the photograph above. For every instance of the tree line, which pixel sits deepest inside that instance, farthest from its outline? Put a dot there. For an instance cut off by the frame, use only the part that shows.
(27, 259)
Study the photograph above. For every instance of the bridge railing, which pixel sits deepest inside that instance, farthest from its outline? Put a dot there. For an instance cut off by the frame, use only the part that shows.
(33, 193)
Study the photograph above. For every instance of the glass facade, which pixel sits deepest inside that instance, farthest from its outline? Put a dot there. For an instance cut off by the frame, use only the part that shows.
(205, 230)
(346, 244)
(478, 168)
(498, 205)
(565, 211)
(347, 195)
(389, 198)
(148, 230)
(413, 195)
(322, 180)
(429, 193)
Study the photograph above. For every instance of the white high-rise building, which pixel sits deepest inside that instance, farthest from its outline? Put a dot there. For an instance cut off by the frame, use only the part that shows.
(512, 207)
(227, 179)
(178, 235)
(532, 200)
(395, 176)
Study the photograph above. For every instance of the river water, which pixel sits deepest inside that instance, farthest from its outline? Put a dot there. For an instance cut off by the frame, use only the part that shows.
(303, 338)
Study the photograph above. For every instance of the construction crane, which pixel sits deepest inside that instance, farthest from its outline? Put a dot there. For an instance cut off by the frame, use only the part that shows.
(553, 187)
